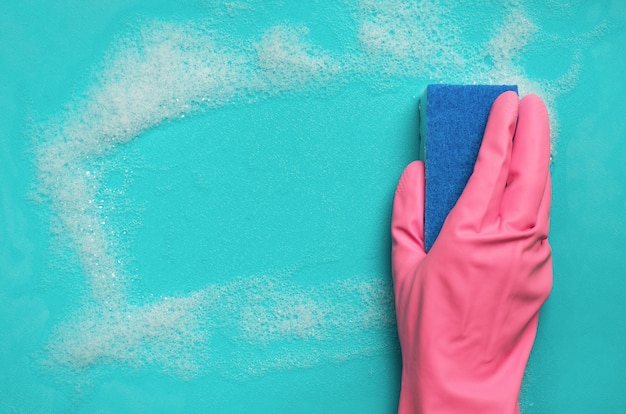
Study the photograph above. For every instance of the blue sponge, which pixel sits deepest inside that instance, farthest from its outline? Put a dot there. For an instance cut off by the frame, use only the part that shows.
(452, 123)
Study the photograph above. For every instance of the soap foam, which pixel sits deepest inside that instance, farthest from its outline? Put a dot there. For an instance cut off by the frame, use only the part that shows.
(411, 38)
(286, 61)
(272, 316)
(168, 332)
(169, 70)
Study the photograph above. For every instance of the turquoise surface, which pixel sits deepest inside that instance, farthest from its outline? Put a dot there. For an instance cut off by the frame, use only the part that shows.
(259, 222)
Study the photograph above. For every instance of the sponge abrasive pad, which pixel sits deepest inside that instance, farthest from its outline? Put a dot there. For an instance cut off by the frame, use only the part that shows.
(452, 123)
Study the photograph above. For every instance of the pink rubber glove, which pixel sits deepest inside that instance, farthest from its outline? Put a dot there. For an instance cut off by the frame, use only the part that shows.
(467, 311)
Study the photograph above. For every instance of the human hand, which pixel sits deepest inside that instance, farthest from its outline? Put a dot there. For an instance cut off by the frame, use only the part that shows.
(467, 311)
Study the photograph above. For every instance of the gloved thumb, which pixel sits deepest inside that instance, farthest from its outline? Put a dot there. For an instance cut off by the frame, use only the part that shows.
(407, 220)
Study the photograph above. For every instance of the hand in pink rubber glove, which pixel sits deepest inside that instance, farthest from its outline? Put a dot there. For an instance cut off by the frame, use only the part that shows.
(467, 311)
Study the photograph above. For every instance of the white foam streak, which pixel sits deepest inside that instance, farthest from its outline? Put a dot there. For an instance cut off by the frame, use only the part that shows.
(175, 333)
(287, 61)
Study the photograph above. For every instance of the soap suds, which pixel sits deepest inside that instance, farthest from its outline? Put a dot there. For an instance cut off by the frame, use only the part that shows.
(411, 39)
(169, 70)
(286, 61)
(274, 316)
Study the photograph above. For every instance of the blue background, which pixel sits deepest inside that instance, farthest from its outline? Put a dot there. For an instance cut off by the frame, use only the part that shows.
(305, 184)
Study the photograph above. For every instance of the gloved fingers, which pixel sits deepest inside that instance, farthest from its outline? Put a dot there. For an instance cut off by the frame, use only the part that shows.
(480, 201)
(530, 165)
(407, 220)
